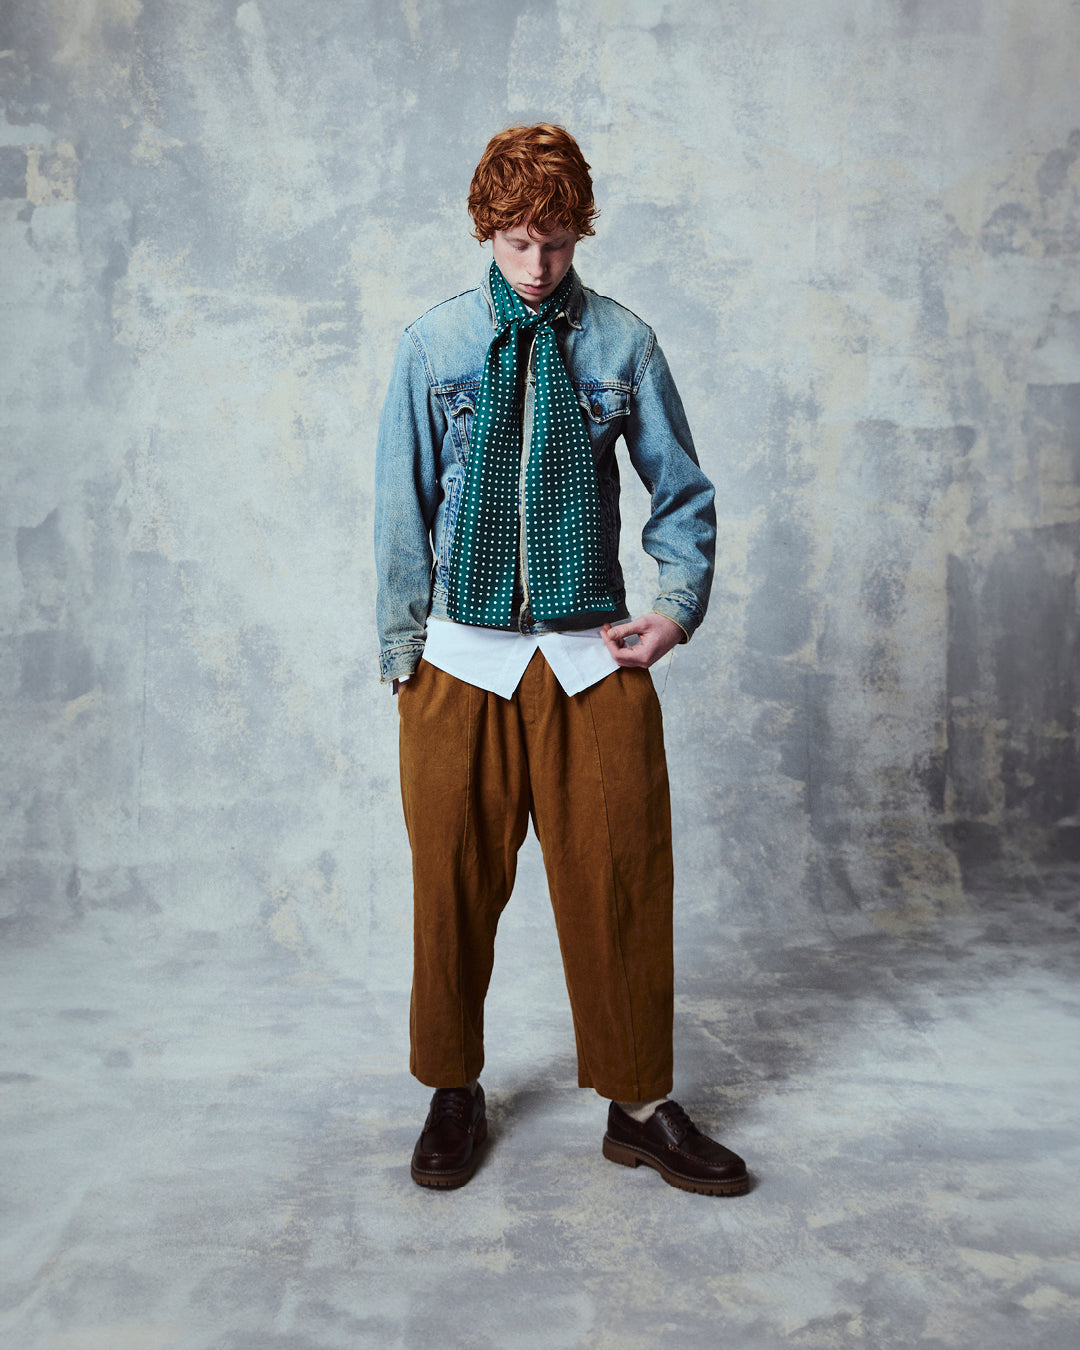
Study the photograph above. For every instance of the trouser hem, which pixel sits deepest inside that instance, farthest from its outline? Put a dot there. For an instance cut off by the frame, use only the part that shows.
(636, 1092)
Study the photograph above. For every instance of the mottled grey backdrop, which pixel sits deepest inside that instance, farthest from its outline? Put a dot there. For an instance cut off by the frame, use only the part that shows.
(855, 227)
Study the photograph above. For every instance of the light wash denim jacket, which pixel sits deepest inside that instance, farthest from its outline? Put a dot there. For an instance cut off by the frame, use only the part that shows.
(624, 387)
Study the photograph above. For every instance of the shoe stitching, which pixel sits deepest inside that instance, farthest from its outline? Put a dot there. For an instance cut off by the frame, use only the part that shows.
(438, 1172)
(668, 1110)
(661, 1167)
(450, 1154)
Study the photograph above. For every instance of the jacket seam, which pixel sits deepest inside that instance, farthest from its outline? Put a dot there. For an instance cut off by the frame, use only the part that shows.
(646, 358)
(421, 351)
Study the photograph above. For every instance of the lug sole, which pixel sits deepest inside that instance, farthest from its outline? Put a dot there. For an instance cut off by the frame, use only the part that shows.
(627, 1156)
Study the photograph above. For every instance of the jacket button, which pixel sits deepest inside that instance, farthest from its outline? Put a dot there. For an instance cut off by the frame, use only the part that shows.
(597, 410)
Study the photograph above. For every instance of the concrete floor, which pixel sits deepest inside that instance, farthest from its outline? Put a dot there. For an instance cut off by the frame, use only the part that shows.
(205, 1147)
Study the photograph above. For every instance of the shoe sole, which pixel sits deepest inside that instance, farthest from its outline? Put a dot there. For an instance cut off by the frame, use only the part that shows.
(449, 1181)
(632, 1157)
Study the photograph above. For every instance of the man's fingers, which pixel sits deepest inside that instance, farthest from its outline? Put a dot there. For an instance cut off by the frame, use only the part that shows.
(641, 641)
(618, 634)
(615, 638)
(641, 653)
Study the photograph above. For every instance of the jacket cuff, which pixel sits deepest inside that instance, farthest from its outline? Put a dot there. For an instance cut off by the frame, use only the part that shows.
(401, 659)
(683, 611)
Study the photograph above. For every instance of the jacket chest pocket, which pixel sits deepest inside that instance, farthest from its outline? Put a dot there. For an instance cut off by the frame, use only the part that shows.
(604, 405)
(460, 404)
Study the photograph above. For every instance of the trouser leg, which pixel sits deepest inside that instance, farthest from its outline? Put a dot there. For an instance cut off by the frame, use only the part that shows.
(603, 816)
(465, 793)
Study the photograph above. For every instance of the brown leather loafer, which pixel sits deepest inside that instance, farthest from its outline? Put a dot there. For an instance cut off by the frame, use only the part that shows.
(445, 1153)
(671, 1142)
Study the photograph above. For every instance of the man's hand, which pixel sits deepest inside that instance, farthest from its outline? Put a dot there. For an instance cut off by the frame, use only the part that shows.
(658, 635)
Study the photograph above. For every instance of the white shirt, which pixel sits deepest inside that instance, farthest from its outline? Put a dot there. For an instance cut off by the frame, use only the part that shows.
(496, 660)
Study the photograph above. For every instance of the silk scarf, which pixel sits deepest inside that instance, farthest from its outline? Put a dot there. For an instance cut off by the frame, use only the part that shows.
(554, 500)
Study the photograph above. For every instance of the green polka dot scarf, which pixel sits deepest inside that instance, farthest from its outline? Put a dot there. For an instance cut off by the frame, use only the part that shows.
(555, 501)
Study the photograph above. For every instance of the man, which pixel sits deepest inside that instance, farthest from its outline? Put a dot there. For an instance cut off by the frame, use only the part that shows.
(497, 532)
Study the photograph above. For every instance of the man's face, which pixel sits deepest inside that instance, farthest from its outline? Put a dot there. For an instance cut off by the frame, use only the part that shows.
(533, 263)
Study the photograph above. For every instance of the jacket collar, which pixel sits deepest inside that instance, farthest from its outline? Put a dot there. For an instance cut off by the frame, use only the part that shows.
(573, 310)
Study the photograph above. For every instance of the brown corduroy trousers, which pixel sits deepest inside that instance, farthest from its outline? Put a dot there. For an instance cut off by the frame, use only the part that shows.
(590, 769)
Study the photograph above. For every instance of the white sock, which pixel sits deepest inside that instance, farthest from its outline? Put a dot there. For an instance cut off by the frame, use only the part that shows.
(641, 1111)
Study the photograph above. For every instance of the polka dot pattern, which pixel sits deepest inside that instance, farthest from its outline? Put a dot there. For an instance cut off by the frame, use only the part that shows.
(555, 501)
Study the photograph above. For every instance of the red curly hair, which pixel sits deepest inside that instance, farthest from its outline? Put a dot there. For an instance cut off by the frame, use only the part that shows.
(536, 174)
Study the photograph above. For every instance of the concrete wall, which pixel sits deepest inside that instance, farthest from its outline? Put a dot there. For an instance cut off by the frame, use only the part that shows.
(855, 227)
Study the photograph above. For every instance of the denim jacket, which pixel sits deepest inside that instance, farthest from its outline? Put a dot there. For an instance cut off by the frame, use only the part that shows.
(624, 387)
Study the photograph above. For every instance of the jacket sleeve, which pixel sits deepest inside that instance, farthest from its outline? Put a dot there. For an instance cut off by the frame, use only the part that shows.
(411, 430)
(681, 530)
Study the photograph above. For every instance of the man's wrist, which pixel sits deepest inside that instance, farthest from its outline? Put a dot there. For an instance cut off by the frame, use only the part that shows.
(681, 626)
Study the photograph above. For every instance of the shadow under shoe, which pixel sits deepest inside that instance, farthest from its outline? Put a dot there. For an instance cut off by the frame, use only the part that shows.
(671, 1142)
(445, 1155)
